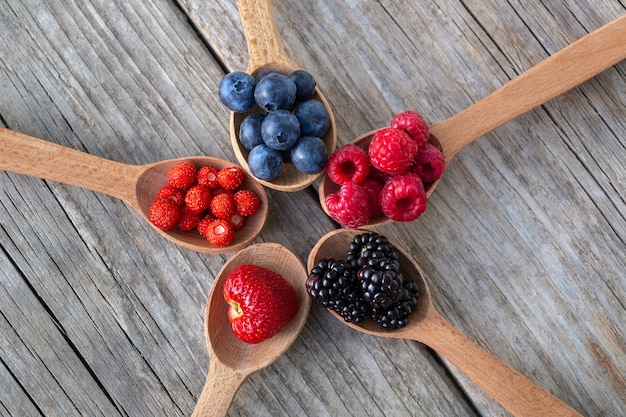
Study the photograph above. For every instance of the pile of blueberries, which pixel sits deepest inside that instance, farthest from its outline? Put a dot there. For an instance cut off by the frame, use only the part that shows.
(285, 124)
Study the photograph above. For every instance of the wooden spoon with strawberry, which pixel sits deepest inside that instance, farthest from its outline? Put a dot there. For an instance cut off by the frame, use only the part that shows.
(231, 360)
(555, 75)
(137, 185)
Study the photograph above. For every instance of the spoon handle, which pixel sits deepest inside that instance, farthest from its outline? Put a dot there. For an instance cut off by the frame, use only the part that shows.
(27, 155)
(262, 37)
(553, 76)
(518, 394)
(219, 390)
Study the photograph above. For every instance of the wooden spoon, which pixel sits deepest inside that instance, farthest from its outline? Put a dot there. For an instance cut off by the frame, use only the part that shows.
(553, 76)
(265, 52)
(137, 185)
(515, 392)
(231, 360)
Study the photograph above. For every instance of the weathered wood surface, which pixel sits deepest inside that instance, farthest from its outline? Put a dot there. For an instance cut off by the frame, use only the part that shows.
(523, 244)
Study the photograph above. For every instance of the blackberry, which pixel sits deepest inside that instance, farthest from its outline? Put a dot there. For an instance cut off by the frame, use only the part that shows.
(397, 315)
(368, 247)
(381, 282)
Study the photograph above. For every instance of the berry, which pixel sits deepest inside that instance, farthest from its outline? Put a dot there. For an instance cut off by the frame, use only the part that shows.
(369, 248)
(204, 224)
(247, 202)
(349, 206)
(220, 232)
(373, 188)
(182, 175)
(236, 91)
(349, 163)
(237, 221)
(231, 178)
(275, 92)
(207, 175)
(381, 283)
(250, 130)
(413, 124)
(429, 163)
(280, 130)
(198, 198)
(188, 219)
(403, 197)
(392, 151)
(264, 162)
(313, 117)
(175, 194)
(309, 155)
(305, 84)
(261, 302)
(164, 213)
(223, 206)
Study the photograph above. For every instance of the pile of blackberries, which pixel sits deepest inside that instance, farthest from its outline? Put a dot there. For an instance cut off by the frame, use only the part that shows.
(367, 284)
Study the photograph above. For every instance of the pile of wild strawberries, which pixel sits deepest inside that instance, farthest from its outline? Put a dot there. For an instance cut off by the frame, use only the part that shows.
(387, 178)
(209, 200)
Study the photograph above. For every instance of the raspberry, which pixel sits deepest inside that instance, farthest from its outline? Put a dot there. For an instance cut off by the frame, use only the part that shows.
(182, 175)
(348, 164)
(413, 124)
(403, 197)
(164, 213)
(246, 202)
(171, 192)
(204, 224)
(220, 232)
(188, 219)
(207, 175)
(349, 206)
(198, 198)
(230, 178)
(373, 188)
(392, 151)
(429, 163)
(223, 206)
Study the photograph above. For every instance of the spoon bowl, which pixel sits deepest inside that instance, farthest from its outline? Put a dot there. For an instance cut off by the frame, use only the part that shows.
(515, 392)
(265, 52)
(137, 185)
(566, 69)
(231, 360)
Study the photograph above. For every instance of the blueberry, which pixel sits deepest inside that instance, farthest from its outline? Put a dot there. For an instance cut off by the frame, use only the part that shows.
(313, 117)
(264, 162)
(250, 130)
(264, 73)
(236, 91)
(275, 92)
(280, 130)
(309, 155)
(305, 84)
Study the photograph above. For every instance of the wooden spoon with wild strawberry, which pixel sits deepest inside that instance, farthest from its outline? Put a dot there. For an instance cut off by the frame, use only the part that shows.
(137, 185)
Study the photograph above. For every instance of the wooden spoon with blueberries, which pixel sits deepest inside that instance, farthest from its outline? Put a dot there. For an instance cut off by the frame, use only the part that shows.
(138, 185)
(518, 394)
(266, 56)
(553, 76)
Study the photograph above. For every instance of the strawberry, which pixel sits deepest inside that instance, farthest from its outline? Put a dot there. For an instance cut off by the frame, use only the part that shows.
(230, 178)
(246, 202)
(198, 198)
(169, 191)
(207, 175)
(261, 302)
(220, 232)
(188, 219)
(182, 175)
(204, 223)
(223, 206)
(164, 213)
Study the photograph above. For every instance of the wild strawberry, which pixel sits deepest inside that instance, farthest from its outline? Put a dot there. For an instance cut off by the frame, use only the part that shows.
(182, 175)
(188, 219)
(223, 206)
(220, 232)
(207, 175)
(237, 221)
(429, 163)
(261, 301)
(198, 198)
(349, 206)
(403, 197)
(169, 191)
(246, 202)
(204, 224)
(164, 213)
(413, 124)
(392, 151)
(373, 188)
(349, 163)
(231, 178)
